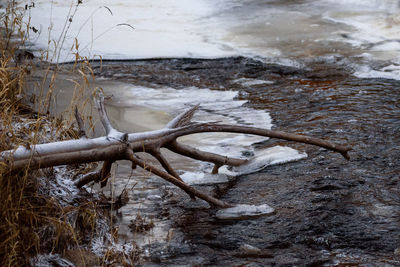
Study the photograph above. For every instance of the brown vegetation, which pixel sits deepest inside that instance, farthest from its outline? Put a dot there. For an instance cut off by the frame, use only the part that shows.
(33, 220)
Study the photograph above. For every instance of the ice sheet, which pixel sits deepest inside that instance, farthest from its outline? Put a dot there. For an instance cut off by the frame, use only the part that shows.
(243, 211)
(122, 29)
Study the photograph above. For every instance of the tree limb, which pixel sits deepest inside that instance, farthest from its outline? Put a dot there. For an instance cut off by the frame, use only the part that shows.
(166, 176)
(118, 146)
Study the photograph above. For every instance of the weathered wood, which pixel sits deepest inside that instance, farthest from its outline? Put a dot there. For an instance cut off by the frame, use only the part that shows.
(118, 146)
(195, 153)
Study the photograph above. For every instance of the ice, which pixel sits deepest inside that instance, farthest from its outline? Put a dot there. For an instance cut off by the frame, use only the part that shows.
(180, 28)
(376, 24)
(201, 178)
(251, 82)
(243, 211)
(221, 106)
(214, 105)
(389, 72)
(263, 159)
(162, 28)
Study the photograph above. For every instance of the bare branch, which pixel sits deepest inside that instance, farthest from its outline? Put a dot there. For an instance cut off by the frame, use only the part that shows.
(212, 127)
(105, 172)
(118, 146)
(182, 119)
(98, 176)
(87, 178)
(99, 102)
(166, 176)
(163, 161)
(195, 153)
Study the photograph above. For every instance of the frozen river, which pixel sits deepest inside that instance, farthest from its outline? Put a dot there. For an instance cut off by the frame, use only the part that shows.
(362, 33)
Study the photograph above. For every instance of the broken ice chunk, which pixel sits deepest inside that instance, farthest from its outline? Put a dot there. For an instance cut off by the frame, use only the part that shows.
(243, 211)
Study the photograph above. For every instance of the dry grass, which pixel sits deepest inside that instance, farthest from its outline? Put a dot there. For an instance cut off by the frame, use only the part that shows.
(32, 220)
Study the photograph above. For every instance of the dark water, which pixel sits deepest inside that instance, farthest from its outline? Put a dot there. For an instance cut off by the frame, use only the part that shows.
(329, 211)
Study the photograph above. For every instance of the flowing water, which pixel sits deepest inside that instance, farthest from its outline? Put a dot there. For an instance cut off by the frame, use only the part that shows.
(324, 68)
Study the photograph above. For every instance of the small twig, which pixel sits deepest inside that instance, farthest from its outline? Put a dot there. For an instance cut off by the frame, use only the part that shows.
(105, 172)
(182, 119)
(87, 178)
(195, 153)
(163, 161)
(81, 125)
(216, 168)
(98, 176)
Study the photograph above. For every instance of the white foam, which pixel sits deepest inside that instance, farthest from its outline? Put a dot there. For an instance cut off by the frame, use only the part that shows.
(243, 211)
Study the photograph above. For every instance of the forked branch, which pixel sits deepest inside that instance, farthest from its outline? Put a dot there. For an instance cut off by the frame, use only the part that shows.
(118, 146)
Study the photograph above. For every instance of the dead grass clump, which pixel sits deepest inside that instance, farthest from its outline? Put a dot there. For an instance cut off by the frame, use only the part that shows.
(141, 224)
(31, 221)
(43, 219)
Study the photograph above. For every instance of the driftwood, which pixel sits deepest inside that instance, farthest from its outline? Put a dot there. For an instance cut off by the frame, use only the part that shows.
(124, 146)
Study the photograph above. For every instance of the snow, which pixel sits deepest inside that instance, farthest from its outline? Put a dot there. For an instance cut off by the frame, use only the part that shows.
(123, 29)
